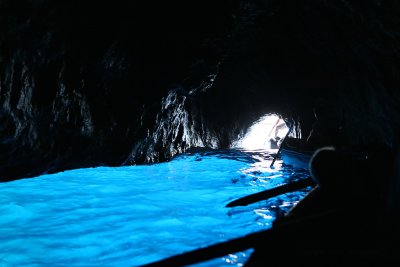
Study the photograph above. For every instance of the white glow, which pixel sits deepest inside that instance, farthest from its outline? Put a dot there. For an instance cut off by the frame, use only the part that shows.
(260, 132)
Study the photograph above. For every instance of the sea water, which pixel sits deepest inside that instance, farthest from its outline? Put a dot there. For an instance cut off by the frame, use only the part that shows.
(129, 216)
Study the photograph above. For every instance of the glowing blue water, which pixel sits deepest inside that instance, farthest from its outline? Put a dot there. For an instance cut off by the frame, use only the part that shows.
(129, 216)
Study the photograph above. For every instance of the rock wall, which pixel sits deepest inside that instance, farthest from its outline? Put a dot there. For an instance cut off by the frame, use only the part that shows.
(81, 82)
(88, 84)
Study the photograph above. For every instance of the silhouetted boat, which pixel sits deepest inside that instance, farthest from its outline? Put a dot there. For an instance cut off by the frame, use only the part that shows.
(295, 158)
(292, 154)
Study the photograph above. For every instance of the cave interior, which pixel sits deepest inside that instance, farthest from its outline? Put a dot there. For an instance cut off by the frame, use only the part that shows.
(86, 84)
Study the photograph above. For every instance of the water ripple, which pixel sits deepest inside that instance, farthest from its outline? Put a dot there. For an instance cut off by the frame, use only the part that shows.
(129, 216)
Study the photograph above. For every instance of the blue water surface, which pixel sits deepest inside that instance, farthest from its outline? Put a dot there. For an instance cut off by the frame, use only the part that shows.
(129, 216)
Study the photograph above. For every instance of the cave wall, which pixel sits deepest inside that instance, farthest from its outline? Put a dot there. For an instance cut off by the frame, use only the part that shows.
(297, 53)
(85, 83)
(82, 81)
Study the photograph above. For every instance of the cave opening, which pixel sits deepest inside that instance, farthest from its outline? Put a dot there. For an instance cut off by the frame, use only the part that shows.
(265, 133)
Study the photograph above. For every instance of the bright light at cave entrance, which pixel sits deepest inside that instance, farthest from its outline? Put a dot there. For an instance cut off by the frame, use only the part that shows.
(259, 134)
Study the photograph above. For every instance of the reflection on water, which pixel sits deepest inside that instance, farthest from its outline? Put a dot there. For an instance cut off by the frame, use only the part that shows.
(129, 216)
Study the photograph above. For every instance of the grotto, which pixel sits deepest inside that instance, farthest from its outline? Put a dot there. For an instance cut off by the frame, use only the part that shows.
(123, 83)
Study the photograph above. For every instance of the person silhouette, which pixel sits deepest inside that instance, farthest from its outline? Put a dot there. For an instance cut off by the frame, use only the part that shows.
(327, 129)
(275, 140)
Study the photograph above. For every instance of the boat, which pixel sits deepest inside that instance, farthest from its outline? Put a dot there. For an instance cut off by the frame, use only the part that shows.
(339, 235)
(292, 153)
(296, 158)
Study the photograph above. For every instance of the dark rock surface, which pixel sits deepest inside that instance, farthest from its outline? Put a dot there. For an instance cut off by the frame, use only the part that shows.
(84, 83)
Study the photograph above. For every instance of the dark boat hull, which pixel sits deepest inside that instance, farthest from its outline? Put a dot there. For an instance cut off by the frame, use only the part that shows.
(296, 157)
